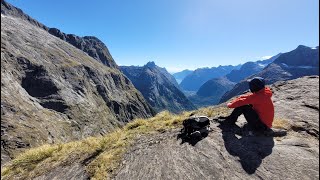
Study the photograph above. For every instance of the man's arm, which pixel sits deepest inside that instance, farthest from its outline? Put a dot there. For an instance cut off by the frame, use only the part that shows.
(241, 101)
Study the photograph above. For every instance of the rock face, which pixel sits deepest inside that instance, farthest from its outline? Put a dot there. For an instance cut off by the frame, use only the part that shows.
(224, 155)
(197, 78)
(298, 101)
(89, 44)
(157, 88)
(211, 92)
(9, 10)
(53, 92)
(221, 154)
(302, 61)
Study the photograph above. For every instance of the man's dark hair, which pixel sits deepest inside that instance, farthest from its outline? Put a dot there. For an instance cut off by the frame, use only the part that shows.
(256, 84)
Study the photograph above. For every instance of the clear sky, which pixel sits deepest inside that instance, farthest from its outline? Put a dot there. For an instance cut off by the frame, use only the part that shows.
(181, 34)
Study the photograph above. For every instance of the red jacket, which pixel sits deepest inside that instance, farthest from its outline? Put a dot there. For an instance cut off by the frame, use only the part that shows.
(261, 102)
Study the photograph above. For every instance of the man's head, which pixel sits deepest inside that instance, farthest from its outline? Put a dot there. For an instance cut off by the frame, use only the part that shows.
(256, 84)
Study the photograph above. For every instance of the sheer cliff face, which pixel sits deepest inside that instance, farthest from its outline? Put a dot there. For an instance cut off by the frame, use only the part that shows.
(89, 44)
(157, 88)
(52, 91)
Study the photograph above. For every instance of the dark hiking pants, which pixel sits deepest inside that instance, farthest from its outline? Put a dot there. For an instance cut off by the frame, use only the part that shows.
(254, 122)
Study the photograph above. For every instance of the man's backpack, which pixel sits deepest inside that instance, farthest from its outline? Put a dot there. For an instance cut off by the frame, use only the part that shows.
(196, 125)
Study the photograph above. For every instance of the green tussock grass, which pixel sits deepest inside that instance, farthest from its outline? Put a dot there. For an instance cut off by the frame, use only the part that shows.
(102, 155)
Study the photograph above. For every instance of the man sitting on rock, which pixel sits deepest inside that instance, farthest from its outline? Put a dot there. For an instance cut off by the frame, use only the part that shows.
(257, 107)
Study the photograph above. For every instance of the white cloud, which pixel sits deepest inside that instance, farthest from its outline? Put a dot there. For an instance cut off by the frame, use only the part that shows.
(176, 69)
(265, 57)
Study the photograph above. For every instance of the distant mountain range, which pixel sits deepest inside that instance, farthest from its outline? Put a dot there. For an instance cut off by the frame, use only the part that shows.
(158, 87)
(211, 91)
(299, 62)
(249, 68)
(197, 78)
(181, 75)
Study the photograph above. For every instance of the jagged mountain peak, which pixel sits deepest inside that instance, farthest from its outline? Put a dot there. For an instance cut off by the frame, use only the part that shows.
(158, 87)
(301, 47)
(151, 64)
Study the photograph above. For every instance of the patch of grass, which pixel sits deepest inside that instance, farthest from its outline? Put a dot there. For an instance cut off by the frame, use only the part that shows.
(28, 160)
(101, 155)
(214, 111)
(281, 123)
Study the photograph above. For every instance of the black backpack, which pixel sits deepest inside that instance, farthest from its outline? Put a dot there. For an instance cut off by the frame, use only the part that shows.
(199, 124)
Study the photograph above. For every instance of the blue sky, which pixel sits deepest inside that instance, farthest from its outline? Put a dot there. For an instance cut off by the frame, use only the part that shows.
(181, 34)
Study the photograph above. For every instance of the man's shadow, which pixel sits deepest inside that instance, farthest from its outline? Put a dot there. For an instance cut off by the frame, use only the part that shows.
(250, 149)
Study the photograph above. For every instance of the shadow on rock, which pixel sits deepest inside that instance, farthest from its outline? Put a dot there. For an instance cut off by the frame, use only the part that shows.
(192, 138)
(250, 149)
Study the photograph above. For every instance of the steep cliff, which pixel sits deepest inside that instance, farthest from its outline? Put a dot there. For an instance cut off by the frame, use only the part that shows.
(53, 92)
(158, 87)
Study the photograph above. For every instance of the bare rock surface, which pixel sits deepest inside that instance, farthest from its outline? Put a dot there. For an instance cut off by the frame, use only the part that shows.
(226, 155)
(298, 101)
(53, 92)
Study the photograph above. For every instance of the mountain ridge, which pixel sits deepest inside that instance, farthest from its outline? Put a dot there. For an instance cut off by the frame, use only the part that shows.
(156, 85)
(53, 92)
(198, 77)
(89, 44)
(299, 62)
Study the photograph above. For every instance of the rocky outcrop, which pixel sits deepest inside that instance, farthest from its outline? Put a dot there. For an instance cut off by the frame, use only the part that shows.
(53, 92)
(302, 61)
(157, 88)
(225, 155)
(197, 78)
(298, 101)
(89, 44)
(221, 154)
(10, 10)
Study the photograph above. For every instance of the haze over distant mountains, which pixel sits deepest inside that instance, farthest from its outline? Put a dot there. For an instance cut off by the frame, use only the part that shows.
(302, 61)
(249, 68)
(198, 77)
(283, 66)
(181, 75)
(158, 87)
(212, 90)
